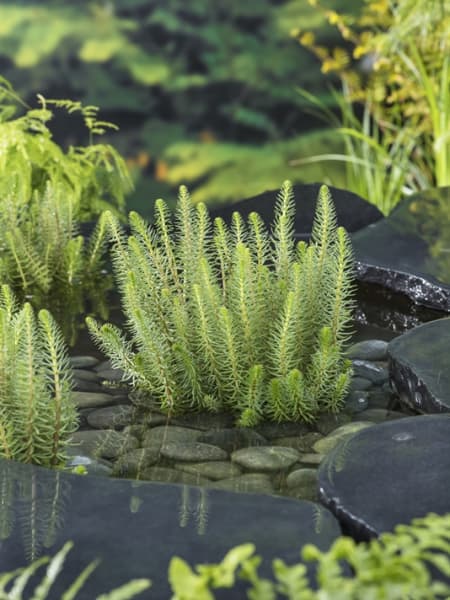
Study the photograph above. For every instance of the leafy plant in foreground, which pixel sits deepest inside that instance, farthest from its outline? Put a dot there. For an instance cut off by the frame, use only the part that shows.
(395, 566)
(232, 317)
(37, 415)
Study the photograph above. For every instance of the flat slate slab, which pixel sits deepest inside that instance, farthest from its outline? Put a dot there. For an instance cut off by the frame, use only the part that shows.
(388, 474)
(408, 251)
(135, 528)
(352, 211)
(419, 366)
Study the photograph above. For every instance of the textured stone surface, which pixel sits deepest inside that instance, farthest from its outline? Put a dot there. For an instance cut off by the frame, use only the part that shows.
(132, 463)
(247, 483)
(83, 362)
(169, 433)
(265, 458)
(192, 451)
(302, 477)
(105, 442)
(369, 370)
(341, 433)
(419, 366)
(388, 474)
(205, 421)
(94, 399)
(214, 470)
(111, 417)
(408, 251)
(352, 211)
(368, 350)
(232, 439)
(166, 475)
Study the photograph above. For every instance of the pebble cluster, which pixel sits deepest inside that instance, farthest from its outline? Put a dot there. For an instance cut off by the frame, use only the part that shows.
(206, 449)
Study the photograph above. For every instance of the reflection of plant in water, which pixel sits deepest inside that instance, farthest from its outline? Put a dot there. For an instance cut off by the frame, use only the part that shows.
(233, 318)
(37, 501)
(199, 508)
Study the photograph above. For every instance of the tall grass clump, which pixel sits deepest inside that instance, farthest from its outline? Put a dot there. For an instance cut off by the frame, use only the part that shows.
(233, 317)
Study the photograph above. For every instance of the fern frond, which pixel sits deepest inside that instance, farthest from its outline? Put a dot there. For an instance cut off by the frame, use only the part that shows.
(223, 246)
(283, 339)
(258, 240)
(252, 400)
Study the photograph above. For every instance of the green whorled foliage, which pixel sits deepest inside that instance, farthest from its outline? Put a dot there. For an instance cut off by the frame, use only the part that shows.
(94, 177)
(396, 567)
(233, 317)
(13, 584)
(37, 415)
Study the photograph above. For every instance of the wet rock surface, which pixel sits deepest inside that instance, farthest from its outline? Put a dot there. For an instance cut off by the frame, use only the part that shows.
(419, 366)
(388, 474)
(408, 251)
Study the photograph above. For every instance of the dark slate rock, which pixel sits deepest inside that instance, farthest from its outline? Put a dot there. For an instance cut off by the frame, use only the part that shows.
(83, 362)
(266, 458)
(247, 483)
(271, 431)
(328, 422)
(106, 443)
(214, 470)
(94, 399)
(192, 451)
(379, 415)
(368, 350)
(82, 385)
(132, 463)
(369, 370)
(360, 384)
(135, 528)
(352, 211)
(388, 474)
(170, 433)
(419, 366)
(86, 375)
(356, 402)
(232, 439)
(205, 421)
(407, 251)
(111, 417)
(111, 374)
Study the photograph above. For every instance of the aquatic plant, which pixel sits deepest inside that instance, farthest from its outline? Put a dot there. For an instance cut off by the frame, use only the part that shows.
(37, 414)
(233, 317)
(395, 566)
(400, 71)
(12, 584)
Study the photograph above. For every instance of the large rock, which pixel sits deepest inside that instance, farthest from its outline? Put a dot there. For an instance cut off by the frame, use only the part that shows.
(419, 366)
(136, 528)
(408, 251)
(266, 458)
(352, 211)
(388, 474)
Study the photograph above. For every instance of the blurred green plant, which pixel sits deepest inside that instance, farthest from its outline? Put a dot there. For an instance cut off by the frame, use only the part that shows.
(233, 318)
(402, 78)
(395, 566)
(37, 414)
(13, 584)
(175, 72)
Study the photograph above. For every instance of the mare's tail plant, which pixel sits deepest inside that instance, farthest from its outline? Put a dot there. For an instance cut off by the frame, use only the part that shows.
(233, 317)
(37, 415)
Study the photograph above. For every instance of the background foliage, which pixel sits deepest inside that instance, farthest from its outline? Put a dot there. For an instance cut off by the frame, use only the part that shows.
(201, 90)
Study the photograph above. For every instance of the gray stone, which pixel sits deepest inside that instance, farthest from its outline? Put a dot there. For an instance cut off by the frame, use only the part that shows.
(86, 375)
(356, 402)
(360, 384)
(153, 419)
(82, 385)
(368, 350)
(363, 368)
(271, 431)
(111, 374)
(248, 483)
(192, 451)
(380, 398)
(93, 399)
(83, 362)
(169, 433)
(214, 470)
(266, 458)
(111, 417)
(408, 251)
(106, 443)
(295, 442)
(419, 366)
(132, 463)
(311, 459)
(232, 439)
(342, 433)
(379, 415)
(103, 365)
(307, 441)
(166, 475)
(303, 478)
(205, 421)
(328, 422)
